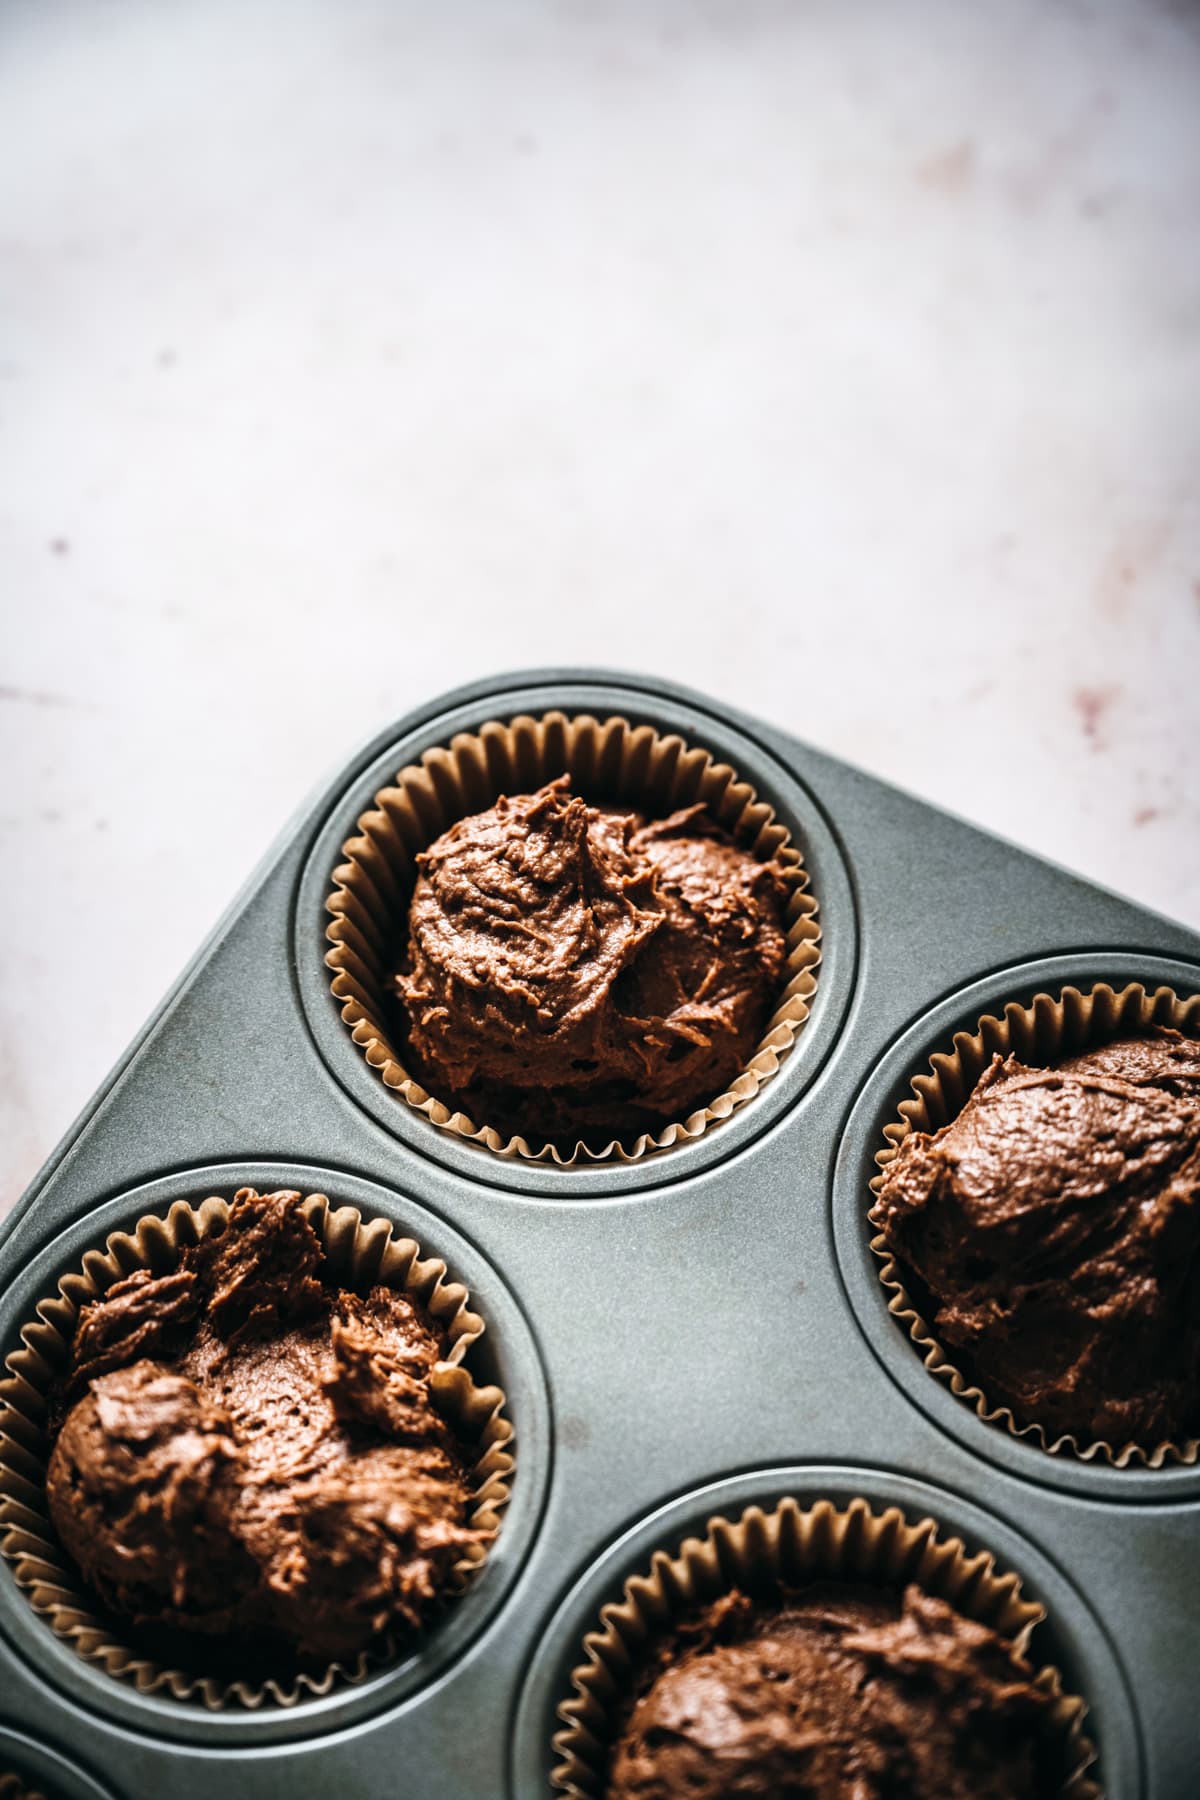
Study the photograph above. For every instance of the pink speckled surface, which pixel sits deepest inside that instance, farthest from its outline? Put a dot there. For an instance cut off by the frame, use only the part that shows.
(844, 362)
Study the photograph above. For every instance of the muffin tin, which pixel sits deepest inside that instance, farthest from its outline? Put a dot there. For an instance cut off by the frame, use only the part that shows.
(678, 1336)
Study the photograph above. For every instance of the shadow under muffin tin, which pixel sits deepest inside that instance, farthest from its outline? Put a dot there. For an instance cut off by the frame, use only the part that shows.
(678, 1336)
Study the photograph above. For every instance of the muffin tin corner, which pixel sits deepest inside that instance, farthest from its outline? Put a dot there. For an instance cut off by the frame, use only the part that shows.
(713, 1334)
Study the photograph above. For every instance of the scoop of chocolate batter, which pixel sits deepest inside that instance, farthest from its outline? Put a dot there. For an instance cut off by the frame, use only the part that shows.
(144, 1490)
(250, 1450)
(840, 1693)
(1053, 1230)
(575, 972)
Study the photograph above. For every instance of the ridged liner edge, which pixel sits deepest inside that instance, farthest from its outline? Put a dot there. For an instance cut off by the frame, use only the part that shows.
(794, 1545)
(359, 1252)
(644, 768)
(1048, 1028)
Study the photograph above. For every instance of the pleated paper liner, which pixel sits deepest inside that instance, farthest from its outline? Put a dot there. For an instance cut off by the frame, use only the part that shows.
(792, 1546)
(1049, 1029)
(360, 1253)
(610, 761)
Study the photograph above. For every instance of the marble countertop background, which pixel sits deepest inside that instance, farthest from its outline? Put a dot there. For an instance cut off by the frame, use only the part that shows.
(842, 361)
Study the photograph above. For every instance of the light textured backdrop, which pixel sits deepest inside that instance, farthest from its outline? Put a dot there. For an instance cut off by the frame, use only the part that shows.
(843, 361)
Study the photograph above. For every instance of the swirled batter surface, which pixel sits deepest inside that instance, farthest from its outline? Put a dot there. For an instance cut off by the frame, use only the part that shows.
(841, 1693)
(1053, 1232)
(248, 1449)
(574, 972)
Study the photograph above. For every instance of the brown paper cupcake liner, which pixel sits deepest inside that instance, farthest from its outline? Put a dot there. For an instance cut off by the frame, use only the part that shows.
(1050, 1028)
(612, 759)
(793, 1545)
(360, 1253)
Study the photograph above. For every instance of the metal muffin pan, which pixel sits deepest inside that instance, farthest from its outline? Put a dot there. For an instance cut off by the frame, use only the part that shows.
(44, 1771)
(677, 1336)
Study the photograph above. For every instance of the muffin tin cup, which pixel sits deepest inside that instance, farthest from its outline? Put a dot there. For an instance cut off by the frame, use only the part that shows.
(609, 760)
(792, 1545)
(1049, 1027)
(360, 1253)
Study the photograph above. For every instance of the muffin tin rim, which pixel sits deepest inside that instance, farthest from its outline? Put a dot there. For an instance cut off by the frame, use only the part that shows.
(43, 1763)
(831, 883)
(861, 1135)
(1093, 1664)
(507, 1334)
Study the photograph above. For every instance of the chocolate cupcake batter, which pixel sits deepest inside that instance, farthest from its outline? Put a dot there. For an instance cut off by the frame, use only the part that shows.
(247, 1449)
(840, 1693)
(1053, 1231)
(572, 971)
